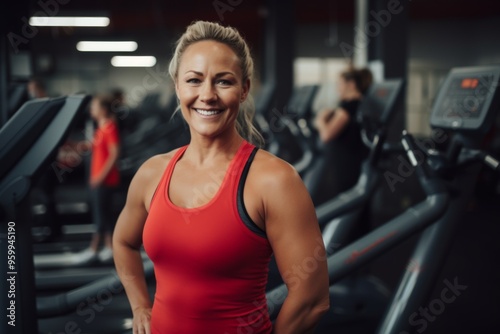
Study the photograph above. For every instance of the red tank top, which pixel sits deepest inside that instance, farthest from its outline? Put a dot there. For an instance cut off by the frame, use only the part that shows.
(211, 262)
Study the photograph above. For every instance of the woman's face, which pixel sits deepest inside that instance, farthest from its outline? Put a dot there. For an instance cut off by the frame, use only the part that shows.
(342, 87)
(210, 88)
(345, 87)
(96, 110)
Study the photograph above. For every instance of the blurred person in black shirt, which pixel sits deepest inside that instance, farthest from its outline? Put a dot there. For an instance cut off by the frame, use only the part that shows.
(340, 132)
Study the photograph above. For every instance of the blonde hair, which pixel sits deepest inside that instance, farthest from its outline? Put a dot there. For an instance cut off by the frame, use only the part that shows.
(203, 30)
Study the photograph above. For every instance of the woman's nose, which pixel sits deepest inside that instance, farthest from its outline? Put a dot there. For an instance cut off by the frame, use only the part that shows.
(208, 93)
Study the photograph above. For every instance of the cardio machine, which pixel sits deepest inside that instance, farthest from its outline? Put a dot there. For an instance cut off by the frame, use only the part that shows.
(29, 141)
(374, 115)
(284, 130)
(358, 299)
(465, 106)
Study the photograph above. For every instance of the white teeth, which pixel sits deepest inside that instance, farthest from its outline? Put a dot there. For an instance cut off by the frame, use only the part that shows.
(207, 112)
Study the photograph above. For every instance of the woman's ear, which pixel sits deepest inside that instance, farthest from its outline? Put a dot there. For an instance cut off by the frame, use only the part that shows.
(176, 89)
(246, 90)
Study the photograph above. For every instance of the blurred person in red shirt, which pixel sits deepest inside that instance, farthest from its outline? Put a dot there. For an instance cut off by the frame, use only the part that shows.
(104, 178)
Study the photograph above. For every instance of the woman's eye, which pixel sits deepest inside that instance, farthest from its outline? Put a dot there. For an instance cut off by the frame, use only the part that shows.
(193, 80)
(224, 82)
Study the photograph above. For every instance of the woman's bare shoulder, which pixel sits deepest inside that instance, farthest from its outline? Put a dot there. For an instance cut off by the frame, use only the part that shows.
(268, 170)
(154, 166)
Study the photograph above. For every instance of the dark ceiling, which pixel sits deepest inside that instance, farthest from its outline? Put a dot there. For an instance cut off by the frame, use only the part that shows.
(156, 18)
(153, 14)
(147, 15)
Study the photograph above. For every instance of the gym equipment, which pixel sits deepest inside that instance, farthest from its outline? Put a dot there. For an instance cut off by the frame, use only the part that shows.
(446, 180)
(18, 94)
(263, 103)
(31, 137)
(284, 130)
(358, 299)
(374, 114)
(300, 108)
(465, 106)
(64, 274)
(159, 131)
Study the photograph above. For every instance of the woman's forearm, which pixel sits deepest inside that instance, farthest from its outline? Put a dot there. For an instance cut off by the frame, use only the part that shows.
(130, 269)
(322, 121)
(322, 117)
(299, 317)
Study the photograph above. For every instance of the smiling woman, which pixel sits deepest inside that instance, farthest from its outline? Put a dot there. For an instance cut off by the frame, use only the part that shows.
(210, 87)
(229, 39)
(213, 212)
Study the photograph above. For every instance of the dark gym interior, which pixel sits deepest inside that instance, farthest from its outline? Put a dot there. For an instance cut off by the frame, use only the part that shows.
(412, 244)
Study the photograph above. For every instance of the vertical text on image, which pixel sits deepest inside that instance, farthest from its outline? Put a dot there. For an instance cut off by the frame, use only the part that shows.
(11, 273)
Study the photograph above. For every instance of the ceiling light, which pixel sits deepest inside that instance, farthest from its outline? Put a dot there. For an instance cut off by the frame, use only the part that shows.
(106, 46)
(133, 61)
(69, 21)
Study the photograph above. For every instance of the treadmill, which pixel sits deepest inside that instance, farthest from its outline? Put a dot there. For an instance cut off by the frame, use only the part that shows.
(282, 130)
(374, 114)
(465, 106)
(29, 143)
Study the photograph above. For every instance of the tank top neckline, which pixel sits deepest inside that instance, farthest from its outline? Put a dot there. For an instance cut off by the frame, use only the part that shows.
(220, 190)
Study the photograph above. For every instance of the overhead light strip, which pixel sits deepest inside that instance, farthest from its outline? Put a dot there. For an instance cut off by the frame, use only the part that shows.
(106, 46)
(133, 61)
(69, 21)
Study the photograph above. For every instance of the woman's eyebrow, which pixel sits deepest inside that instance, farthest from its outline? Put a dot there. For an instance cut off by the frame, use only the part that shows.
(195, 72)
(223, 73)
(220, 74)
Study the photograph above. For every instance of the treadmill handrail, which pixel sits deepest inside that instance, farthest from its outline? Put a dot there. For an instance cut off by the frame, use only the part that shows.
(68, 302)
(25, 168)
(372, 245)
(15, 143)
(351, 199)
(307, 152)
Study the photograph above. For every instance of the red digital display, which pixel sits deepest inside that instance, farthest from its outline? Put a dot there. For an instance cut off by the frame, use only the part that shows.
(469, 83)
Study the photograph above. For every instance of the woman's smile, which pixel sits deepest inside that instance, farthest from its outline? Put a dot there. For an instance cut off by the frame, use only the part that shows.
(208, 112)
